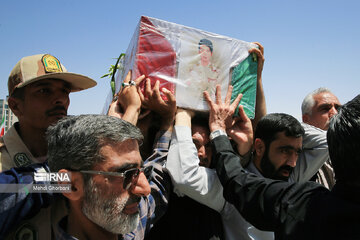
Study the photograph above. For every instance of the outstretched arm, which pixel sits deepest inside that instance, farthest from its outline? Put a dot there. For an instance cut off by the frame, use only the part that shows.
(260, 108)
(197, 182)
(153, 207)
(166, 110)
(267, 204)
(315, 153)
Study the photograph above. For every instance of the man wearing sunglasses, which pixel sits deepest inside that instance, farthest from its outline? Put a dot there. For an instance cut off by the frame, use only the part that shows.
(110, 185)
(114, 194)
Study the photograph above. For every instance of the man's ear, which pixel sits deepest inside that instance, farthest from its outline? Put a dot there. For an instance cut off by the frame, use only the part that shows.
(259, 147)
(77, 185)
(15, 105)
(306, 118)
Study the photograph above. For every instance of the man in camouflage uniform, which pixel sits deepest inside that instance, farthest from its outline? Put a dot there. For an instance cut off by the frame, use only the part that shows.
(204, 75)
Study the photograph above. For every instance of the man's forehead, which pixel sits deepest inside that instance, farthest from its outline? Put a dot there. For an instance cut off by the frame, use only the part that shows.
(204, 46)
(50, 82)
(326, 98)
(121, 155)
(281, 138)
(120, 147)
(200, 133)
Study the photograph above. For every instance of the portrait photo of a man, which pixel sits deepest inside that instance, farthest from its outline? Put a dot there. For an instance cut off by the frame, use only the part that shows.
(202, 66)
(205, 71)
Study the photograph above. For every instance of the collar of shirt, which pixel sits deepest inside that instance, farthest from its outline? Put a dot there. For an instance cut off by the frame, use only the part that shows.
(251, 168)
(60, 233)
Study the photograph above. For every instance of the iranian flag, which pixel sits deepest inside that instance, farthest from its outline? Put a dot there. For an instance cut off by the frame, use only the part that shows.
(2, 126)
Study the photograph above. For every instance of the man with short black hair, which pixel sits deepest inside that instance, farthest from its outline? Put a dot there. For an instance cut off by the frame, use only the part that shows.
(278, 141)
(294, 211)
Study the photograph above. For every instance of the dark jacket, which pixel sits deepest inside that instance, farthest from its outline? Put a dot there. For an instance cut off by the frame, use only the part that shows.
(187, 219)
(292, 211)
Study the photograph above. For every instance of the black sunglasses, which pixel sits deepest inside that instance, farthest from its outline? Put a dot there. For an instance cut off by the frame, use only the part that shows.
(128, 176)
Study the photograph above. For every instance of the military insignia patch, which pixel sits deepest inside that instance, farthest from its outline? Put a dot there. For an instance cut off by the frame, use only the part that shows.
(51, 64)
(21, 160)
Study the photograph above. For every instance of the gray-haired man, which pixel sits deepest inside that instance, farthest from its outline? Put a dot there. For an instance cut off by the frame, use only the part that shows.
(317, 108)
(109, 180)
(110, 185)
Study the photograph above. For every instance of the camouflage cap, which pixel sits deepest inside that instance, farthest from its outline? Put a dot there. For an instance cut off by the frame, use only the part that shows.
(43, 66)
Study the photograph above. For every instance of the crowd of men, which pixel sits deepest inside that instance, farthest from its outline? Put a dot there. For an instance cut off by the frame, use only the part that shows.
(150, 170)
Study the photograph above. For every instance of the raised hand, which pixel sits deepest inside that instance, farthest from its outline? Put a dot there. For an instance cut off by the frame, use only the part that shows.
(221, 113)
(241, 132)
(260, 57)
(127, 102)
(154, 102)
(260, 108)
(221, 117)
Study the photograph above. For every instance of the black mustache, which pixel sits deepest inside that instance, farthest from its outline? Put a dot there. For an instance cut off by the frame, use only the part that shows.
(55, 109)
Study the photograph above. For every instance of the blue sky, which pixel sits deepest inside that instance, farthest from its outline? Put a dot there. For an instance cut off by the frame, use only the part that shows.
(307, 44)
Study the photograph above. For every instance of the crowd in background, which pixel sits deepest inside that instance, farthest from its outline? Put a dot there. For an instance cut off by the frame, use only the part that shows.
(151, 170)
